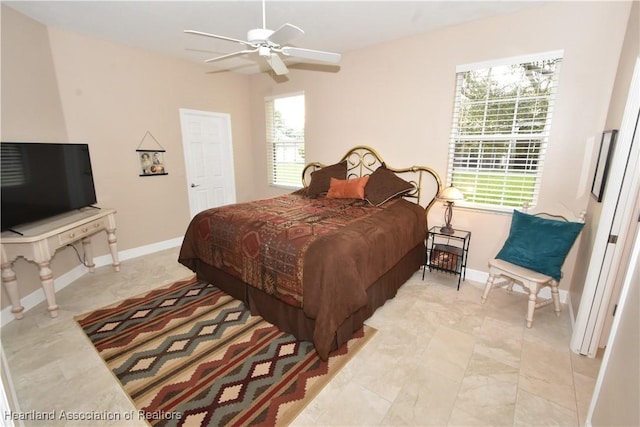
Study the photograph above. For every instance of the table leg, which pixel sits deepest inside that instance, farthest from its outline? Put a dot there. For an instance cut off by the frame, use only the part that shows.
(46, 277)
(113, 247)
(88, 253)
(11, 285)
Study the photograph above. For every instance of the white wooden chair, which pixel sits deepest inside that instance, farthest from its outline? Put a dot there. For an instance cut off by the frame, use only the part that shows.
(531, 281)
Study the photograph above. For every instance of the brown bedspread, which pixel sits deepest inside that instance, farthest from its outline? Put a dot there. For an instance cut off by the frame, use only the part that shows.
(316, 254)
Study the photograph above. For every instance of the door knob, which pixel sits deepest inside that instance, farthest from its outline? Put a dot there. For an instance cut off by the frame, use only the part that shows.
(194, 185)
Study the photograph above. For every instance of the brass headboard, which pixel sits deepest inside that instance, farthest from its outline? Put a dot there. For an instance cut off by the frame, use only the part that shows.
(363, 160)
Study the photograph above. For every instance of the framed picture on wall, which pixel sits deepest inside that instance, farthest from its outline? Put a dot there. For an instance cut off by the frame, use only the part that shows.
(602, 165)
(151, 162)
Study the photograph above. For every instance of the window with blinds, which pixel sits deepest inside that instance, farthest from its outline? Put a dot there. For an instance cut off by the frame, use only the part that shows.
(285, 139)
(501, 122)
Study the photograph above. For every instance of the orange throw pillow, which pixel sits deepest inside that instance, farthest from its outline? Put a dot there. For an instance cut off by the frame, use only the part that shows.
(347, 188)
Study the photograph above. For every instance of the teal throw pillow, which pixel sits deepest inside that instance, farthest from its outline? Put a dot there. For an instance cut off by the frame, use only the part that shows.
(539, 244)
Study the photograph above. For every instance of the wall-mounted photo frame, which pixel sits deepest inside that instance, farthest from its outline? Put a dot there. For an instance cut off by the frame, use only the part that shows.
(151, 162)
(602, 166)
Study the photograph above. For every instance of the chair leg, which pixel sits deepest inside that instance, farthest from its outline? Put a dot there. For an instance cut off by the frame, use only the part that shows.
(510, 286)
(531, 307)
(555, 295)
(487, 287)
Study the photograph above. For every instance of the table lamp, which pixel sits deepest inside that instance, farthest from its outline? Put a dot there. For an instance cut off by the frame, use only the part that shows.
(449, 195)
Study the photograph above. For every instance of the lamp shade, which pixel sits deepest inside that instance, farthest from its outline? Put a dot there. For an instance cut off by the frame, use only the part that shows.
(450, 194)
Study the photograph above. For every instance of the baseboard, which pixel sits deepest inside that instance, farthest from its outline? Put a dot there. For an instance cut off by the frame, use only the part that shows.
(61, 282)
(479, 278)
(139, 251)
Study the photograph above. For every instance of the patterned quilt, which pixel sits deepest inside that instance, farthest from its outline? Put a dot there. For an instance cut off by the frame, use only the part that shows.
(318, 255)
(263, 242)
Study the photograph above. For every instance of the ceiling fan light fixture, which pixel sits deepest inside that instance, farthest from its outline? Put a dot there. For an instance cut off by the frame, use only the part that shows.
(264, 52)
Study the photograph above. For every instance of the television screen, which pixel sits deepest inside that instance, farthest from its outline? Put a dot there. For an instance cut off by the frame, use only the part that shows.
(40, 180)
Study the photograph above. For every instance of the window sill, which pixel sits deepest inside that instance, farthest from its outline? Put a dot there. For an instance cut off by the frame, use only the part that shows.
(496, 210)
(285, 187)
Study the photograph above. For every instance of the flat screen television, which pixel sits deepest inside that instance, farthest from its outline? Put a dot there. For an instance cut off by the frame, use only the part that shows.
(41, 180)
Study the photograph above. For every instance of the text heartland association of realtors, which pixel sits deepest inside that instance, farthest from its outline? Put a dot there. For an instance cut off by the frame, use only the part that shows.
(89, 415)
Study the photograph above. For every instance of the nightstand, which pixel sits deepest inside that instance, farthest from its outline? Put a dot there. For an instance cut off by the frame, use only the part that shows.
(447, 252)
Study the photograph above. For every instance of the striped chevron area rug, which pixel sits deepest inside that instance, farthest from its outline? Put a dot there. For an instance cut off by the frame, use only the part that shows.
(188, 354)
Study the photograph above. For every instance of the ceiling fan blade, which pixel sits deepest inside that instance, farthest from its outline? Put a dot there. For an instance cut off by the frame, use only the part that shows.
(276, 64)
(316, 55)
(285, 34)
(215, 36)
(231, 55)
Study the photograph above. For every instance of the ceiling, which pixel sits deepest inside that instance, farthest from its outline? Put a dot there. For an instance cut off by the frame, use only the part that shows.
(334, 25)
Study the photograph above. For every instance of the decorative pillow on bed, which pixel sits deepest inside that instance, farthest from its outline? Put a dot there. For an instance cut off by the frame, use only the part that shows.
(384, 185)
(321, 179)
(347, 188)
(539, 244)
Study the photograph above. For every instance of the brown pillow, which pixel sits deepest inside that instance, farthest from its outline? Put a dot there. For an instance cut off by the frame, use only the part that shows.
(321, 179)
(384, 185)
(347, 188)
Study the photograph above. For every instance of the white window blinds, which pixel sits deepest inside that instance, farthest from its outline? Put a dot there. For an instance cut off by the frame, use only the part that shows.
(501, 122)
(285, 139)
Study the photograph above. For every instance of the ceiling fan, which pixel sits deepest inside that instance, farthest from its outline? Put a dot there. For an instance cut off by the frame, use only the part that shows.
(269, 45)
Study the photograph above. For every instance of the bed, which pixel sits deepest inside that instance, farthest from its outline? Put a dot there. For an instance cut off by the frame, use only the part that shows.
(319, 261)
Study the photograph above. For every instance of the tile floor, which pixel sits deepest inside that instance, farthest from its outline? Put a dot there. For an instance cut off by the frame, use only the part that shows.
(439, 358)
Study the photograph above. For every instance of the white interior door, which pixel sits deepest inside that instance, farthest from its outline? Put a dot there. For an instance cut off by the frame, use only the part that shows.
(616, 225)
(208, 152)
(626, 249)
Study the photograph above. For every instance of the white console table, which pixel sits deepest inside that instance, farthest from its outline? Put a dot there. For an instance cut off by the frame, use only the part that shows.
(40, 240)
